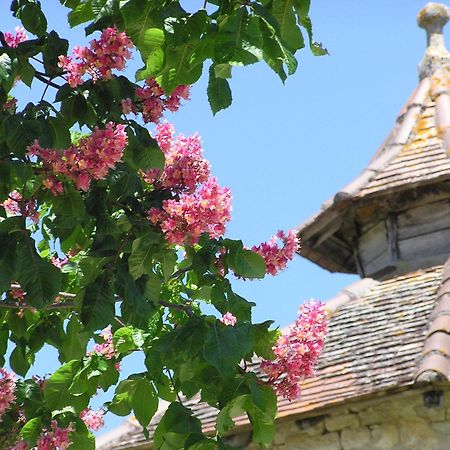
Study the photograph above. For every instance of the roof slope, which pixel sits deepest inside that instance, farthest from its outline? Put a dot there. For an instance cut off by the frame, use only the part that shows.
(375, 343)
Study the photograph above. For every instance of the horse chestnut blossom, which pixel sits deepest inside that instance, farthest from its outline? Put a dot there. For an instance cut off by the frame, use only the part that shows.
(90, 159)
(15, 205)
(207, 210)
(228, 319)
(19, 445)
(277, 257)
(185, 168)
(7, 390)
(297, 351)
(105, 349)
(99, 59)
(93, 419)
(151, 101)
(54, 439)
(13, 40)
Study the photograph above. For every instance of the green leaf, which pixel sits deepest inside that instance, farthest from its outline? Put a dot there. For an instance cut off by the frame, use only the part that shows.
(56, 390)
(302, 9)
(18, 361)
(81, 438)
(143, 25)
(144, 401)
(31, 430)
(247, 264)
(75, 341)
(33, 18)
(39, 278)
(5, 71)
(238, 40)
(175, 427)
(81, 13)
(97, 309)
(123, 340)
(289, 32)
(55, 47)
(26, 71)
(236, 407)
(143, 157)
(225, 346)
(121, 404)
(142, 251)
(219, 92)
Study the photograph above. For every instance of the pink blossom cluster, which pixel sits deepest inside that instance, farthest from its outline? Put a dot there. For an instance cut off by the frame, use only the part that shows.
(93, 419)
(15, 205)
(17, 293)
(19, 445)
(10, 105)
(151, 101)
(99, 59)
(55, 438)
(7, 390)
(277, 257)
(90, 159)
(207, 210)
(106, 348)
(59, 262)
(228, 319)
(185, 168)
(297, 351)
(13, 40)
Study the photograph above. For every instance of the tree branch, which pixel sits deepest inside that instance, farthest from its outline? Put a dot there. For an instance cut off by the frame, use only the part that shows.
(185, 308)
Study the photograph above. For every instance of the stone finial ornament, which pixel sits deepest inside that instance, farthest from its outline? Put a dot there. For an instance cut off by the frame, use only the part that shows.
(433, 18)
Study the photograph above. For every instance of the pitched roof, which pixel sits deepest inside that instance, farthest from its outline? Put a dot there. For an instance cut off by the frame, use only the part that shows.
(414, 154)
(382, 336)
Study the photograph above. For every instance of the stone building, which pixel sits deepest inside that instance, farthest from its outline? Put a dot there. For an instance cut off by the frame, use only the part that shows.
(383, 379)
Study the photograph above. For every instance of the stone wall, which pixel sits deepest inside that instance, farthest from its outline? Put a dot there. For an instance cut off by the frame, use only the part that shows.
(416, 419)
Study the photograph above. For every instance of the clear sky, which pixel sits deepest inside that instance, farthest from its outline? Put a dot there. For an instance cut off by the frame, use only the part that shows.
(284, 149)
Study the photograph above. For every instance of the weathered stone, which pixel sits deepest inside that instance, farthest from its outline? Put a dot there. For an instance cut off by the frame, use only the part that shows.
(311, 426)
(384, 437)
(432, 414)
(355, 438)
(418, 435)
(327, 441)
(339, 422)
(371, 416)
(441, 427)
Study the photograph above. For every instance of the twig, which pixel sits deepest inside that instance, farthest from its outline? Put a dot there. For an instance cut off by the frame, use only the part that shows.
(12, 305)
(180, 272)
(186, 308)
(173, 385)
(41, 77)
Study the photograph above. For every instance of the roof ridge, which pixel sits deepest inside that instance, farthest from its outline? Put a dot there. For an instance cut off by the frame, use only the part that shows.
(434, 364)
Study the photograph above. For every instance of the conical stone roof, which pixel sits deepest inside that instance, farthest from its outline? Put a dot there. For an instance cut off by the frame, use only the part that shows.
(411, 163)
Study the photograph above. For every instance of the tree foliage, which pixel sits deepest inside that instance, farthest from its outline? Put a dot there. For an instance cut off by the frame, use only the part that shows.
(82, 249)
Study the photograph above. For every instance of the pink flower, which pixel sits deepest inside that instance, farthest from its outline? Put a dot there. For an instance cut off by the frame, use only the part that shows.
(55, 186)
(99, 59)
(54, 439)
(17, 293)
(275, 257)
(19, 445)
(13, 40)
(228, 319)
(105, 349)
(7, 390)
(15, 205)
(10, 105)
(59, 262)
(185, 168)
(91, 158)
(297, 351)
(207, 210)
(93, 419)
(151, 101)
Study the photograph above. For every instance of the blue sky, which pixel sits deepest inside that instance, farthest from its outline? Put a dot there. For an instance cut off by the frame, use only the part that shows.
(284, 149)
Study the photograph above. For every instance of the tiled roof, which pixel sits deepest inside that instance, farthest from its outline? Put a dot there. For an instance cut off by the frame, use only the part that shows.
(379, 339)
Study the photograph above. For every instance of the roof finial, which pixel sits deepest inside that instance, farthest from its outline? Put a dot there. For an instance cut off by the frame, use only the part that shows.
(432, 18)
